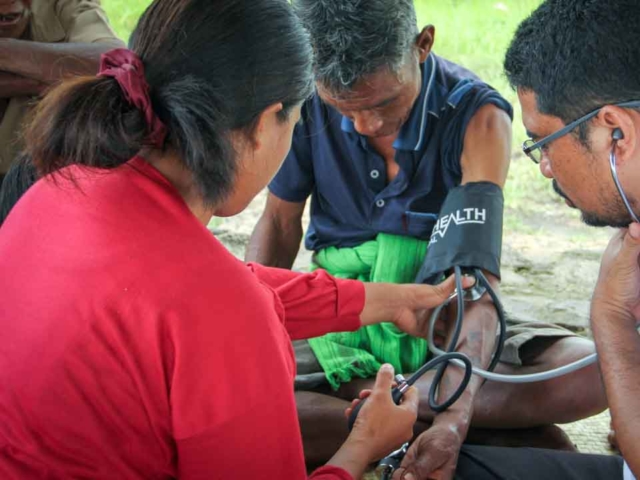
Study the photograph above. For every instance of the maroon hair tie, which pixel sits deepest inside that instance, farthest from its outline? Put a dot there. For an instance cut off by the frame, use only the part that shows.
(128, 70)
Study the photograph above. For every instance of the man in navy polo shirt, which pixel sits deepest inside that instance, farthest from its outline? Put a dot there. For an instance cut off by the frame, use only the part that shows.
(391, 129)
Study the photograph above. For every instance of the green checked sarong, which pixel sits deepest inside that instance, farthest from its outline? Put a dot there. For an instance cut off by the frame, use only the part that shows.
(390, 259)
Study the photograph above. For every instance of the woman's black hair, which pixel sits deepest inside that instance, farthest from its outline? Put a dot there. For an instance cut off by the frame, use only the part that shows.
(212, 67)
(21, 175)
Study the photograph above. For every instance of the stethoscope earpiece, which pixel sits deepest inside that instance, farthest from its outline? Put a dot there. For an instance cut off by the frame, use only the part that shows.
(617, 134)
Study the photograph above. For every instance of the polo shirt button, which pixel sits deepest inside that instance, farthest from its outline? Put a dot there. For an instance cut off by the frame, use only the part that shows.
(374, 174)
(380, 203)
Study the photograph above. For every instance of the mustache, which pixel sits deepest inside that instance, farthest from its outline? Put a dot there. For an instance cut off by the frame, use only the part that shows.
(598, 220)
(558, 190)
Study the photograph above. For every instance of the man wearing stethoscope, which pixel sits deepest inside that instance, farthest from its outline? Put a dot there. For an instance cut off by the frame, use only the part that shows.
(575, 66)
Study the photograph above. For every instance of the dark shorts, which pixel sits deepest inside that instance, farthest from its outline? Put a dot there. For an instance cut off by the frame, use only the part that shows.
(497, 463)
(310, 375)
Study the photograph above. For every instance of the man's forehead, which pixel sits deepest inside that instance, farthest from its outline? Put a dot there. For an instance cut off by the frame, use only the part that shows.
(532, 119)
(371, 89)
(528, 101)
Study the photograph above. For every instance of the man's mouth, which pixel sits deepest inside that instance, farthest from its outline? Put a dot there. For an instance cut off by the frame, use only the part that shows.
(559, 191)
(10, 19)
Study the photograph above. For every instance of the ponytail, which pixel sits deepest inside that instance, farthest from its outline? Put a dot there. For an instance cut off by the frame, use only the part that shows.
(84, 121)
(99, 122)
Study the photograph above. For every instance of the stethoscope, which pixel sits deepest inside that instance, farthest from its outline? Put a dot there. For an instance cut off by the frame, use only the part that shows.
(617, 135)
(442, 358)
(557, 372)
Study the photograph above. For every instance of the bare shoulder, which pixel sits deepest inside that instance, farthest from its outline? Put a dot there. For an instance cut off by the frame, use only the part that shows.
(487, 146)
(488, 120)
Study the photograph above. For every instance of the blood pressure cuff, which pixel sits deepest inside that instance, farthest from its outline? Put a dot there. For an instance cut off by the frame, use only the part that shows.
(468, 232)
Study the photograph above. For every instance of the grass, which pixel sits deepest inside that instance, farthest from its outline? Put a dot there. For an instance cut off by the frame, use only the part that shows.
(124, 14)
(473, 33)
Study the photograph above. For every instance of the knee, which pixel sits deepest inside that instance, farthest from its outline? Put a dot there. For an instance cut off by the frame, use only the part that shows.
(576, 348)
(562, 352)
(580, 392)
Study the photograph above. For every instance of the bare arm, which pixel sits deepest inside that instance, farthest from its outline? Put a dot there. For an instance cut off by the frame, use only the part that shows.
(12, 85)
(615, 311)
(618, 346)
(434, 453)
(275, 240)
(487, 148)
(47, 63)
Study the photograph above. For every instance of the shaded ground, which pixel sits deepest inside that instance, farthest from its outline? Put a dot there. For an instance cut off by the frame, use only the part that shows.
(551, 266)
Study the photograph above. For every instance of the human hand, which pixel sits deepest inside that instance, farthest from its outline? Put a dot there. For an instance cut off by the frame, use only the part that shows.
(414, 318)
(382, 426)
(617, 292)
(364, 394)
(408, 306)
(434, 454)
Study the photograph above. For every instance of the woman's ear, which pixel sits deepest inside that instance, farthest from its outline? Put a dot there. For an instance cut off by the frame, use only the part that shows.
(267, 120)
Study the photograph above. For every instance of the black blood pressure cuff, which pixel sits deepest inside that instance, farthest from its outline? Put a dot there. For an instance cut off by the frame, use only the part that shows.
(468, 232)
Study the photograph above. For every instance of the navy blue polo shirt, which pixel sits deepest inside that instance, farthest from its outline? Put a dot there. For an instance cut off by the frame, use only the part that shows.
(351, 200)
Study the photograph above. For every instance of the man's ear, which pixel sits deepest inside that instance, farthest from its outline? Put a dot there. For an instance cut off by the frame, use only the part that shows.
(424, 41)
(622, 126)
(267, 120)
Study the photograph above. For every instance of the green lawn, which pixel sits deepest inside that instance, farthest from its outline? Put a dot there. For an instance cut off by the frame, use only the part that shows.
(474, 33)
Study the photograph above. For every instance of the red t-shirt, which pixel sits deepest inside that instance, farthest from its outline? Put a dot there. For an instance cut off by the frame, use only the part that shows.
(133, 345)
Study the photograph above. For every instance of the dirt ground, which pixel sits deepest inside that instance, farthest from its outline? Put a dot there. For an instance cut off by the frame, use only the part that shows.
(550, 260)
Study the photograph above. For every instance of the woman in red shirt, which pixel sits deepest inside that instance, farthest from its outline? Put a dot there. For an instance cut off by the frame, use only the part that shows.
(133, 344)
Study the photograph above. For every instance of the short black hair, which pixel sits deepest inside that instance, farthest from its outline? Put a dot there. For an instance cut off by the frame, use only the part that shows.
(577, 55)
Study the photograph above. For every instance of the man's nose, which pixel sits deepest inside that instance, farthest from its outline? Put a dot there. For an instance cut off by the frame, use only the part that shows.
(367, 123)
(545, 167)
